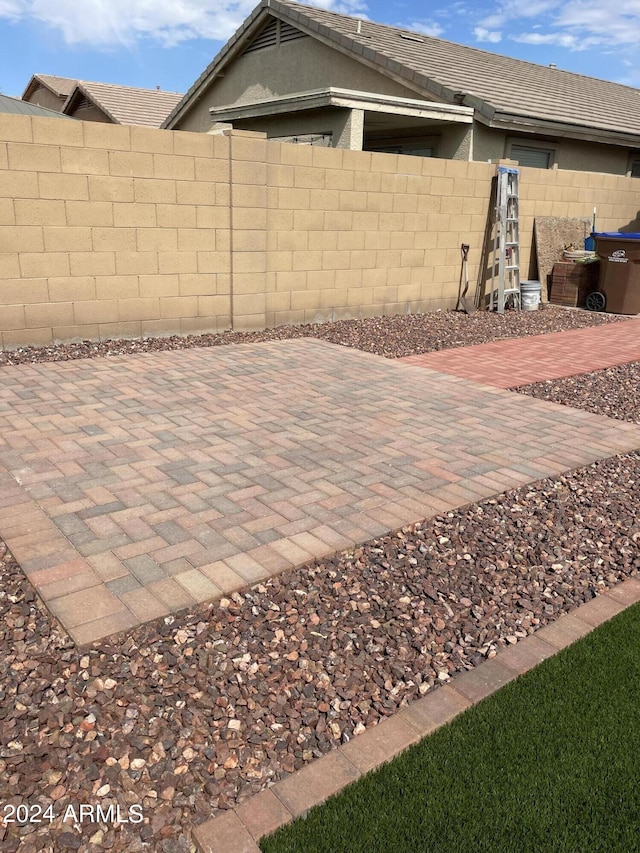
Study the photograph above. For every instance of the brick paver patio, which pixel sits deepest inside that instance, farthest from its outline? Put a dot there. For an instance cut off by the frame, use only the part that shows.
(520, 361)
(135, 486)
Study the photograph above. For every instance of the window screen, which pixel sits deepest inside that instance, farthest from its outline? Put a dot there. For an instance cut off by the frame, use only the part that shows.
(635, 168)
(415, 150)
(320, 140)
(538, 158)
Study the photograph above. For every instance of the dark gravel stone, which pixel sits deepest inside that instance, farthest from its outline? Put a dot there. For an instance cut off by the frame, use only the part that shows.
(393, 337)
(195, 712)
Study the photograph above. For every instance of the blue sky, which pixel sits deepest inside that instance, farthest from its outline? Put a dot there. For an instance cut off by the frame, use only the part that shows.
(169, 42)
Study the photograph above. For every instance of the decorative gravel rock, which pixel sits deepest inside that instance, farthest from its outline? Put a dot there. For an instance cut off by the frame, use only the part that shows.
(193, 713)
(393, 337)
(612, 392)
(268, 680)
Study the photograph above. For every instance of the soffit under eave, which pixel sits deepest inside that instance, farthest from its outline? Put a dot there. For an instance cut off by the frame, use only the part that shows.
(583, 133)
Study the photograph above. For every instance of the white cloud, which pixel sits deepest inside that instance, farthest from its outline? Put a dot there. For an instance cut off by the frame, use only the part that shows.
(345, 7)
(605, 25)
(557, 39)
(104, 23)
(570, 24)
(10, 9)
(515, 9)
(492, 36)
(428, 28)
(112, 22)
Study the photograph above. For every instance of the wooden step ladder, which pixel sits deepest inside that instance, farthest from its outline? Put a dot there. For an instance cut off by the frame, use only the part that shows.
(505, 269)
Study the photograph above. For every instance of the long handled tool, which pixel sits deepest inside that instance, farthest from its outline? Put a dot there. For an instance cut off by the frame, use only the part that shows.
(465, 303)
(589, 242)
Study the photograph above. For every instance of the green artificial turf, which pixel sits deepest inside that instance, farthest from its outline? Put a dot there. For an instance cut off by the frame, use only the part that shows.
(549, 763)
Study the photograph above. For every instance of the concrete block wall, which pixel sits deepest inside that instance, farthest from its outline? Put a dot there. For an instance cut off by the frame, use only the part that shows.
(109, 231)
(353, 233)
(560, 192)
(356, 234)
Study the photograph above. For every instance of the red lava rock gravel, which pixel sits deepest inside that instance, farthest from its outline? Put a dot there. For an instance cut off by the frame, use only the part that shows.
(612, 392)
(393, 337)
(191, 714)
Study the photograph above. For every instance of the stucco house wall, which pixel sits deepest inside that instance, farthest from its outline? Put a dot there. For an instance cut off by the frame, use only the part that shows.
(296, 66)
(90, 113)
(286, 48)
(44, 98)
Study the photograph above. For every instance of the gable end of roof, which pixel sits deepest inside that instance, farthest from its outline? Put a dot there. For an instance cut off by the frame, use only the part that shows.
(454, 73)
(232, 47)
(79, 93)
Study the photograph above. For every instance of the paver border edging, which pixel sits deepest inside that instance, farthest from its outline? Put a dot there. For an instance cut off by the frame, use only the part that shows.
(239, 830)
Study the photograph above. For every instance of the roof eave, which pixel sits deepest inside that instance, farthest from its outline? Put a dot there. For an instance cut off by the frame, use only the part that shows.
(586, 133)
(346, 99)
(29, 87)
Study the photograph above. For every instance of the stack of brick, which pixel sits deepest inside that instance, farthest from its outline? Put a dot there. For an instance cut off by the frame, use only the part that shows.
(571, 283)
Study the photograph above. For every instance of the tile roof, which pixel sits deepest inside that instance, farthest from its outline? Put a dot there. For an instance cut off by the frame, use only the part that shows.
(19, 107)
(126, 104)
(61, 86)
(497, 86)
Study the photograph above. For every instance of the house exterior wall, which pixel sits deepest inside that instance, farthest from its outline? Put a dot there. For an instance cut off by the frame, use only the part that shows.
(456, 142)
(296, 66)
(90, 113)
(115, 231)
(591, 157)
(492, 144)
(488, 143)
(451, 141)
(306, 64)
(44, 98)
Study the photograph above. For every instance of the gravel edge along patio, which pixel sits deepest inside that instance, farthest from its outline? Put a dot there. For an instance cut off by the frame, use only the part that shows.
(186, 716)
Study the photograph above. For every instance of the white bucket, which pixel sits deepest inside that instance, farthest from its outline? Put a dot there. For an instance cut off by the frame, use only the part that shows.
(530, 295)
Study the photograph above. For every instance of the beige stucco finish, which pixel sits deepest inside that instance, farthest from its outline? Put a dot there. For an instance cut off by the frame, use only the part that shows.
(296, 66)
(90, 113)
(492, 144)
(344, 128)
(308, 64)
(44, 98)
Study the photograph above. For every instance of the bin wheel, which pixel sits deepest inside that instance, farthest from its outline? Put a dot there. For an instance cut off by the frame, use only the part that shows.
(596, 301)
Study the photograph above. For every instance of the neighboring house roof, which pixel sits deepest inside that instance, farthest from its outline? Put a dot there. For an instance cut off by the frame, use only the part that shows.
(62, 87)
(19, 107)
(505, 92)
(124, 104)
